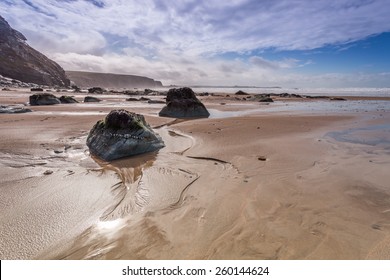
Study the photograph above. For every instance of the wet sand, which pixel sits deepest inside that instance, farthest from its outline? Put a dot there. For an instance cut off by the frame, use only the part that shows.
(287, 180)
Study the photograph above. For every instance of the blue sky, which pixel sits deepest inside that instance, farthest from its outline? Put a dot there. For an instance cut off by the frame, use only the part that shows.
(290, 43)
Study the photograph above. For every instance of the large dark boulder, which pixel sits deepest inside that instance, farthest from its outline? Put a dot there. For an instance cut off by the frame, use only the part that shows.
(21, 62)
(43, 99)
(122, 134)
(182, 103)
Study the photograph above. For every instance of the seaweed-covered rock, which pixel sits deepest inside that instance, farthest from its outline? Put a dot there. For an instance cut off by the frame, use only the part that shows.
(43, 99)
(182, 103)
(65, 99)
(91, 99)
(122, 134)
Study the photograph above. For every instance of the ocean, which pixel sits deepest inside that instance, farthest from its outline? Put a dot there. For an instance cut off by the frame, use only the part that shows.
(380, 92)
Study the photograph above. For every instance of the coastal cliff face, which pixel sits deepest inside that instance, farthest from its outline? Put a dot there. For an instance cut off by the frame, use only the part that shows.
(108, 80)
(21, 62)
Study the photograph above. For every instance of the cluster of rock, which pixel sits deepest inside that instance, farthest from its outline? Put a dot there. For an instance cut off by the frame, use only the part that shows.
(122, 134)
(255, 97)
(146, 91)
(13, 109)
(96, 90)
(50, 99)
(9, 82)
(267, 97)
(182, 103)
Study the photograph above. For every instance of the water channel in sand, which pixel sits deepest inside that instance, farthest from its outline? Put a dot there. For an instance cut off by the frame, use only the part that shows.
(152, 184)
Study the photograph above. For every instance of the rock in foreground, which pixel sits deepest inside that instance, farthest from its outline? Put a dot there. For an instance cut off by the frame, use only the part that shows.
(182, 103)
(43, 99)
(122, 134)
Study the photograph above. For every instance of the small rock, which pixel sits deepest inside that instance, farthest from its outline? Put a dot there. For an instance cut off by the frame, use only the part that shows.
(91, 99)
(376, 226)
(240, 92)
(36, 89)
(48, 172)
(266, 99)
(67, 99)
(96, 90)
(156, 101)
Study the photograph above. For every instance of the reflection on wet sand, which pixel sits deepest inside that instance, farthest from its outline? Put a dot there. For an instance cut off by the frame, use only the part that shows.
(130, 196)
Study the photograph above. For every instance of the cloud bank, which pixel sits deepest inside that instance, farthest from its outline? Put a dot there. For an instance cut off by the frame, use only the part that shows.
(185, 42)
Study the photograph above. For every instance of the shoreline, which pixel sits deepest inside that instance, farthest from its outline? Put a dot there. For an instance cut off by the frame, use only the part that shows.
(262, 185)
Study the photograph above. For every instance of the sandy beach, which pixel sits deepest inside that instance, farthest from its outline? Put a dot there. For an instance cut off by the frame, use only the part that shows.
(293, 179)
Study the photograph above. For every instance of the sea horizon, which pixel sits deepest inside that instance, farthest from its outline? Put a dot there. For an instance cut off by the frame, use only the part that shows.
(341, 91)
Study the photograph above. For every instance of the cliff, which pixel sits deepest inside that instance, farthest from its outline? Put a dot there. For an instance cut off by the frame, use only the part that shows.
(108, 80)
(21, 62)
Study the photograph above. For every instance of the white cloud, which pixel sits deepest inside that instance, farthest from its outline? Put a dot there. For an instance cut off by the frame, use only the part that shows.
(263, 63)
(161, 39)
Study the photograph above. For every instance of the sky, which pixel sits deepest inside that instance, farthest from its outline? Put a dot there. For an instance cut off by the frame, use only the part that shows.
(288, 43)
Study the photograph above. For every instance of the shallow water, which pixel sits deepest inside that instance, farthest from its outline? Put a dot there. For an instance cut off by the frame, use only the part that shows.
(349, 106)
(383, 92)
(309, 107)
(373, 135)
